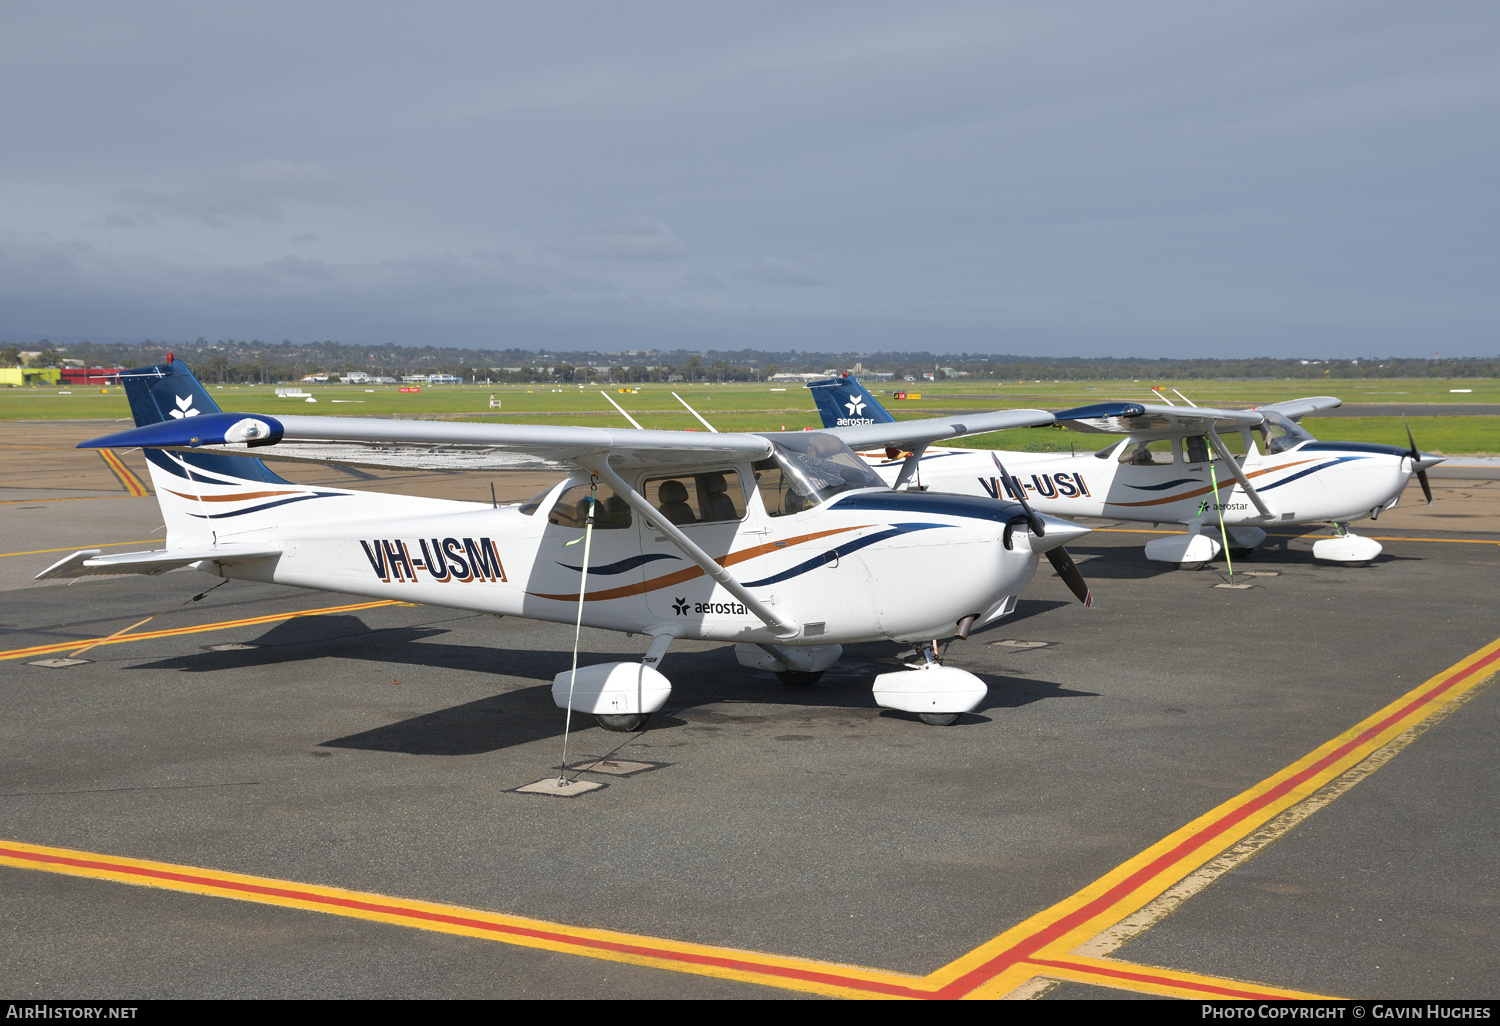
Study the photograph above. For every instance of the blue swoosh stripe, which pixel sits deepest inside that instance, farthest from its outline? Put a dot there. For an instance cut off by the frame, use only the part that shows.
(843, 550)
(264, 506)
(1309, 470)
(623, 565)
(1163, 487)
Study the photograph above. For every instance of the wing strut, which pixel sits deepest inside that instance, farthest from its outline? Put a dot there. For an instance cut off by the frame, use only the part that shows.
(909, 467)
(780, 626)
(695, 413)
(1239, 474)
(633, 422)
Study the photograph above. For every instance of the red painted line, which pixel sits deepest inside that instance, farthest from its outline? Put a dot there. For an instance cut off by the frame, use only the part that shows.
(742, 965)
(1162, 981)
(1028, 947)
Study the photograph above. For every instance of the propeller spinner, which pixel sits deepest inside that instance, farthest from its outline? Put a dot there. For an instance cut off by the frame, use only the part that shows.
(1057, 556)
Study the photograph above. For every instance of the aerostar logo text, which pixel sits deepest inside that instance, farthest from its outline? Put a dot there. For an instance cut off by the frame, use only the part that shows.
(1048, 486)
(451, 559)
(681, 606)
(856, 407)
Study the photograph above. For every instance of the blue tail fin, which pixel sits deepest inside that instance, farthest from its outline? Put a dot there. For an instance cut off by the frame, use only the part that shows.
(169, 391)
(843, 402)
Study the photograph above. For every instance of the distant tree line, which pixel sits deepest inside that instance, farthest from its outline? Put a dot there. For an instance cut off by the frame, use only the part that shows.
(245, 361)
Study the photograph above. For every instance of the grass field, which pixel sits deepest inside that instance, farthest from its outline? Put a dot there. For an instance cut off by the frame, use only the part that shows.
(759, 407)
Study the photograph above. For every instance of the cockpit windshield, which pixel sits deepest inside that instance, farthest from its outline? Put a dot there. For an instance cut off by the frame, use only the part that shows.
(812, 467)
(1280, 432)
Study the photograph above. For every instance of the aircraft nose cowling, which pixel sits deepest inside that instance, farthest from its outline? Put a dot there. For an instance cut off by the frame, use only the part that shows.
(1059, 532)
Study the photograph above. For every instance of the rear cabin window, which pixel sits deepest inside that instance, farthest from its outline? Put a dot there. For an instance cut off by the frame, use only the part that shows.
(572, 509)
(1146, 454)
(715, 497)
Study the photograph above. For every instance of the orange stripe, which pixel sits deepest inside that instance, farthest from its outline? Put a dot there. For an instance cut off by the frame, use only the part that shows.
(231, 498)
(1010, 969)
(1162, 979)
(130, 481)
(22, 653)
(1033, 943)
(1226, 487)
(677, 577)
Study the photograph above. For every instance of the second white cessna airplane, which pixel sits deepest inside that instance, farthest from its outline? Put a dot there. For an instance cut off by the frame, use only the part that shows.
(785, 544)
(1187, 465)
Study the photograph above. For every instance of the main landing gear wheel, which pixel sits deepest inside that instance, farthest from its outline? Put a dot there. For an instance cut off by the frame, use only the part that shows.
(799, 678)
(939, 719)
(1193, 566)
(1241, 553)
(622, 722)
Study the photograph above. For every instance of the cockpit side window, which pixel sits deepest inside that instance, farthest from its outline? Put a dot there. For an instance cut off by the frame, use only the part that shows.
(807, 469)
(715, 497)
(1195, 449)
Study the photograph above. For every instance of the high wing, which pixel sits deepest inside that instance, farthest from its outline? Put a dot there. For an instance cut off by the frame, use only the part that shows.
(1156, 420)
(1296, 409)
(434, 445)
(445, 445)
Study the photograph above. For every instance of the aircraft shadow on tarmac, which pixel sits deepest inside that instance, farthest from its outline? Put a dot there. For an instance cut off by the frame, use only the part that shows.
(525, 714)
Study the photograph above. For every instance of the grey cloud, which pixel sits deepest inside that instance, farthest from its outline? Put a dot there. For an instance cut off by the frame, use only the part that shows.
(1161, 178)
(256, 192)
(774, 271)
(706, 281)
(302, 267)
(629, 238)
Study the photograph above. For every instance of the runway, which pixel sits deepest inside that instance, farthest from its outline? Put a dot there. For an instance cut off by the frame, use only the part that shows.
(1186, 791)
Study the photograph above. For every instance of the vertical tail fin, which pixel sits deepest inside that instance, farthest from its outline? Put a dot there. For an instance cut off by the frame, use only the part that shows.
(844, 401)
(168, 391)
(195, 490)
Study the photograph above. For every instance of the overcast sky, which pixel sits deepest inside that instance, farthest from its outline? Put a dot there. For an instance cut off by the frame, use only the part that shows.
(1154, 179)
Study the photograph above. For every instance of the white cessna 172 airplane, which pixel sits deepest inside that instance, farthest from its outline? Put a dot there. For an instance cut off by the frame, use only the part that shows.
(1268, 470)
(785, 544)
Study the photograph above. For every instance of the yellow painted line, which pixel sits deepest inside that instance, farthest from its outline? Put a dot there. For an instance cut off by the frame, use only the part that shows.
(1139, 880)
(132, 484)
(172, 632)
(701, 959)
(1036, 948)
(1150, 979)
(64, 498)
(79, 548)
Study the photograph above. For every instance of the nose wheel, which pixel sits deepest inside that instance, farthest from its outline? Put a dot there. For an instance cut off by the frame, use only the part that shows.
(623, 723)
(799, 678)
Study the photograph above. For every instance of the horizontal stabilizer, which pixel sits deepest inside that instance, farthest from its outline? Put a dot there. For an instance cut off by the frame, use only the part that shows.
(910, 433)
(1299, 408)
(90, 563)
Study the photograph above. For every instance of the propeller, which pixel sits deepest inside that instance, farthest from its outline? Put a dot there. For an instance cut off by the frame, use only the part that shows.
(1057, 556)
(1416, 462)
